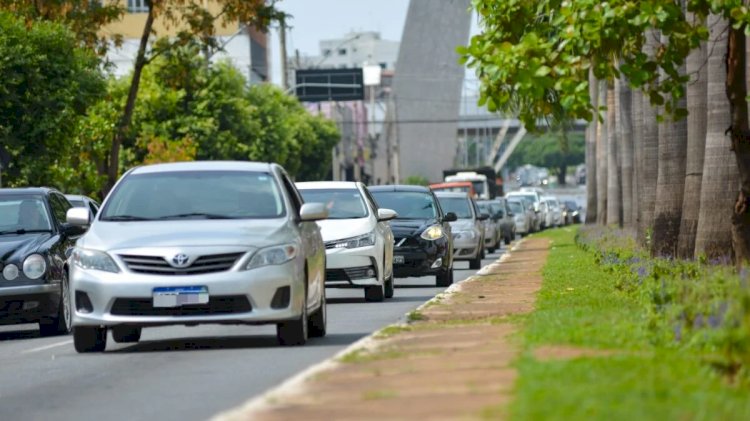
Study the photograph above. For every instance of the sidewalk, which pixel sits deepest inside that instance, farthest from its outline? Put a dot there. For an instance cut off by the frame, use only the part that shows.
(452, 361)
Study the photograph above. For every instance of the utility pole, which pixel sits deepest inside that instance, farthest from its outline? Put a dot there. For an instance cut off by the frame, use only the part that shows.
(282, 41)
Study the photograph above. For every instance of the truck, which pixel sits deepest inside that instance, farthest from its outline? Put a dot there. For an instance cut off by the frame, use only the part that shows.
(487, 183)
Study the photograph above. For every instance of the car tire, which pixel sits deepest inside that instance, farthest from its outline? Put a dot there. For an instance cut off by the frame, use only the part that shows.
(389, 289)
(89, 339)
(476, 263)
(374, 293)
(60, 323)
(126, 334)
(444, 278)
(318, 321)
(507, 240)
(293, 332)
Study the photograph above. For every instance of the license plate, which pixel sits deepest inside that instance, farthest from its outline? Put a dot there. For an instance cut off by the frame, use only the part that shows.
(398, 260)
(179, 296)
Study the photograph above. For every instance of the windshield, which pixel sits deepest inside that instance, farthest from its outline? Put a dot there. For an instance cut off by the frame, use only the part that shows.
(195, 195)
(515, 207)
(341, 203)
(408, 205)
(20, 213)
(77, 203)
(479, 186)
(452, 189)
(458, 205)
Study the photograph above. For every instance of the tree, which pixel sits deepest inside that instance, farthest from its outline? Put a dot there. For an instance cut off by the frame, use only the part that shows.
(554, 150)
(47, 84)
(649, 166)
(625, 137)
(591, 179)
(416, 180)
(602, 171)
(614, 181)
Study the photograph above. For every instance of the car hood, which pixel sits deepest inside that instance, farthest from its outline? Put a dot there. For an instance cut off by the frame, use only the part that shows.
(337, 229)
(462, 225)
(410, 227)
(14, 248)
(205, 233)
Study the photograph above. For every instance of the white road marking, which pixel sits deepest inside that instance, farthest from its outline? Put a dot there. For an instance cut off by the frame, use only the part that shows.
(46, 347)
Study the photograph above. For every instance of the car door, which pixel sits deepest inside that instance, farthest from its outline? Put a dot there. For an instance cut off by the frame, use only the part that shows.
(383, 229)
(312, 244)
(63, 247)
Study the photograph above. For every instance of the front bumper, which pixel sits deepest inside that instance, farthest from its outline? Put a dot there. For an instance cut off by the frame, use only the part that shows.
(28, 303)
(466, 248)
(421, 258)
(235, 297)
(348, 268)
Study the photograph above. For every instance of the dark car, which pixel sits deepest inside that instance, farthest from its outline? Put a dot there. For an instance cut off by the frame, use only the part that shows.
(503, 216)
(35, 243)
(571, 212)
(422, 233)
(79, 201)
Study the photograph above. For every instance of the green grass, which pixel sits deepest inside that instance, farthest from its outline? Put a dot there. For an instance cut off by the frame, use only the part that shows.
(645, 379)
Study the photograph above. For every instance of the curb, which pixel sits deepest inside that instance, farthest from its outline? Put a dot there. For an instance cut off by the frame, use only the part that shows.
(291, 385)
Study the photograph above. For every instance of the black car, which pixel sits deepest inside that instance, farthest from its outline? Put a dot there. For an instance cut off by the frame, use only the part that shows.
(79, 201)
(35, 242)
(422, 233)
(571, 212)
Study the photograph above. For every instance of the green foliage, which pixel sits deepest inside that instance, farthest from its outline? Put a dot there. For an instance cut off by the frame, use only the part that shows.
(416, 180)
(549, 150)
(47, 84)
(595, 295)
(533, 56)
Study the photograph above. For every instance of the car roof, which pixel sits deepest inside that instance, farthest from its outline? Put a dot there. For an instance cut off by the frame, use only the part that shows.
(451, 194)
(76, 197)
(205, 166)
(400, 187)
(343, 185)
(27, 191)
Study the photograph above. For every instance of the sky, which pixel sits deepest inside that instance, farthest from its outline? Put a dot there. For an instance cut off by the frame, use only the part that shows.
(314, 20)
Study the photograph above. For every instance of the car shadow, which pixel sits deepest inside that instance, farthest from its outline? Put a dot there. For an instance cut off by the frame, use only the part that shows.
(231, 342)
(395, 299)
(14, 335)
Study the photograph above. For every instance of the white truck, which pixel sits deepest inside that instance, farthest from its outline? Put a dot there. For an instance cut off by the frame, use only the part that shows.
(481, 185)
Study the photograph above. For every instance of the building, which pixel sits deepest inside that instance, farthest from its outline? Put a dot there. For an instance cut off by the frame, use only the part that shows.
(243, 45)
(352, 50)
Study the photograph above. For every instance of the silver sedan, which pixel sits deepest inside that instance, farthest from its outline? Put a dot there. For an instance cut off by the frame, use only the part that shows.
(194, 243)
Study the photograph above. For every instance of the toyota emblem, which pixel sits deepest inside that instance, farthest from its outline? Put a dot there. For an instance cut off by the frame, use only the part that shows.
(180, 260)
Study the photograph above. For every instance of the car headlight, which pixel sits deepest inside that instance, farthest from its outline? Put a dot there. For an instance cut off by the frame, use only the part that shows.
(34, 266)
(10, 272)
(365, 240)
(274, 255)
(433, 233)
(92, 259)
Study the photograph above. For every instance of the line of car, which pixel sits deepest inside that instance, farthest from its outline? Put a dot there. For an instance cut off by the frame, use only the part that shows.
(534, 211)
(225, 243)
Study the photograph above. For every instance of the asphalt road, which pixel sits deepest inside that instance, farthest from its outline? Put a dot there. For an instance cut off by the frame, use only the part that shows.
(181, 373)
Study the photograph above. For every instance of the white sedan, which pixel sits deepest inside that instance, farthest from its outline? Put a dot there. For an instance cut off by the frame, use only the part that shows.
(357, 237)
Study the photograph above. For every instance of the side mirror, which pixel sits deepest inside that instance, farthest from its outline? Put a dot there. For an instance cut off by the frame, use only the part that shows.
(499, 215)
(386, 214)
(483, 216)
(511, 214)
(313, 212)
(71, 230)
(450, 217)
(78, 217)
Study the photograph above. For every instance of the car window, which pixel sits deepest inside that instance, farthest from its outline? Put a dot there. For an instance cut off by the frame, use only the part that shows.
(196, 195)
(60, 207)
(461, 206)
(515, 207)
(408, 204)
(294, 196)
(23, 213)
(341, 203)
(94, 209)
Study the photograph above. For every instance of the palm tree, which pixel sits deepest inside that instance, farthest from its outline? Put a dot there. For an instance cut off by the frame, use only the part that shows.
(720, 173)
(670, 183)
(591, 154)
(625, 141)
(614, 182)
(696, 146)
(637, 107)
(602, 158)
(650, 151)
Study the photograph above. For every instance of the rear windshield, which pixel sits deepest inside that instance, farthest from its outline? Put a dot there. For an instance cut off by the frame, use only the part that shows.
(341, 203)
(458, 205)
(195, 195)
(515, 207)
(408, 205)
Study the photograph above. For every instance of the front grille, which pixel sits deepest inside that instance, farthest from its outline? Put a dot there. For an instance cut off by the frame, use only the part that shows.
(407, 242)
(228, 304)
(157, 265)
(348, 274)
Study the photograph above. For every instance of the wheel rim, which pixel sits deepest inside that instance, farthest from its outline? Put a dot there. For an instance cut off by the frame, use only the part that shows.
(66, 303)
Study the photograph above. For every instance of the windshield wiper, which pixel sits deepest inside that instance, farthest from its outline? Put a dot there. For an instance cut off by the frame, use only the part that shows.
(23, 231)
(197, 214)
(125, 218)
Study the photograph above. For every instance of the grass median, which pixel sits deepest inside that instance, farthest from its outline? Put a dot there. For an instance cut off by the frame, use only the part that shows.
(614, 336)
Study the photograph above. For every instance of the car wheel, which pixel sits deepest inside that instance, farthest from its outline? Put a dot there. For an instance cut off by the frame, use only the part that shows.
(60, 323)
(476, 263)
(319, 319)
(89, 338)
(389, 290)
(126, 334)
(374, 293)
(293, 332)
(444, 278)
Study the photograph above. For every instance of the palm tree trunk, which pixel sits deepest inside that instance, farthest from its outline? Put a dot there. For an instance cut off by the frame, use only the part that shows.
(637, 107)
(614, 182)
(697, 91)
(720, 175)
(602, 158)
(670, 184)
(625, 141)
(591, 130)
(650, 164)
